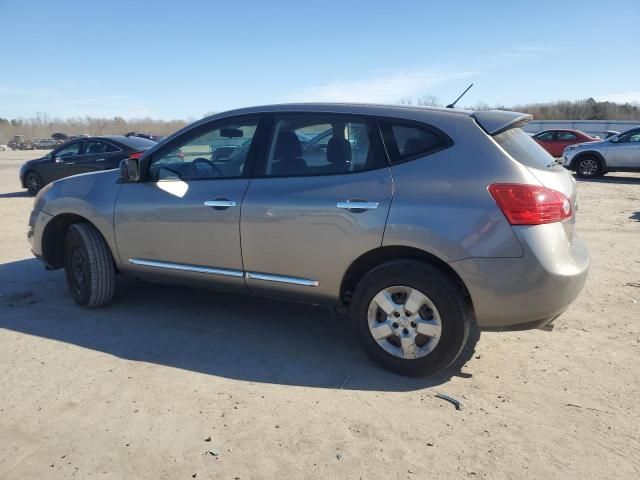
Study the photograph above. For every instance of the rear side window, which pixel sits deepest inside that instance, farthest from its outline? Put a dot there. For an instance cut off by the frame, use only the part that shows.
(406, 142)
(524, 149)
(566, 136)
(138, 143)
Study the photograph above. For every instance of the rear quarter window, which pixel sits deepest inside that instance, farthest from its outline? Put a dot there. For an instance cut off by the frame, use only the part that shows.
(406, 142)
(524, 149)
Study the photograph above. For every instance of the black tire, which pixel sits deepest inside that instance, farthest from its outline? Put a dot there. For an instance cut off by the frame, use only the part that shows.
(88, 266)
(588, 167)
(33, 182)
(447, 297)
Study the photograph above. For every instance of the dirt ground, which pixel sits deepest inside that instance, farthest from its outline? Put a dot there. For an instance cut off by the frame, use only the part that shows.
(136, 389)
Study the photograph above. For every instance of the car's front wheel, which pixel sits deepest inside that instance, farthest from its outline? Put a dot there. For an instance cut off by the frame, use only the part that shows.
(33, 182)
(88, 266)
(411, 317)
(588, 167)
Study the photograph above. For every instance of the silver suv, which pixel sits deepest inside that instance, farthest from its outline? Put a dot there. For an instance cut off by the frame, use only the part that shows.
(424, 223)
(618, 153)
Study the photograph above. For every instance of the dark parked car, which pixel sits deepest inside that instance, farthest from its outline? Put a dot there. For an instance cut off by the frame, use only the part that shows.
(80, 156)
(555, 141)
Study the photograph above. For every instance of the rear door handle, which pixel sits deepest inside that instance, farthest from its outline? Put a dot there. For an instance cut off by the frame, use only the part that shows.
(357, 205)
(101, 160)
(220, 203)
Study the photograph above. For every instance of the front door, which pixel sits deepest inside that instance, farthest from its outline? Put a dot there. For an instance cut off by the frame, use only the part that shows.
(182, 221)
(63, 161)
(625, 153)
(305, 218)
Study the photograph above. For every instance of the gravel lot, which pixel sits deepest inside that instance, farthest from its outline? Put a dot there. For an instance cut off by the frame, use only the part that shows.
(134, 390)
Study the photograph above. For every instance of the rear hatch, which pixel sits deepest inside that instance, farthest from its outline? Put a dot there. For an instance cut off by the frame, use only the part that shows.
(551, 174)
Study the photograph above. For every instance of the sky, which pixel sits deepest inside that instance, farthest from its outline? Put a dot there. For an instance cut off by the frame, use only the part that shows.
(184, 59)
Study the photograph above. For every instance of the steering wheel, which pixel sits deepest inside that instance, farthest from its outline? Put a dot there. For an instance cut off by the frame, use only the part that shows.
(212, 166)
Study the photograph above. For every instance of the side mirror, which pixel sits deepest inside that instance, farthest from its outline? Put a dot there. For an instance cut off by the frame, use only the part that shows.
(614, 139)
(59, 160)
(129, 170)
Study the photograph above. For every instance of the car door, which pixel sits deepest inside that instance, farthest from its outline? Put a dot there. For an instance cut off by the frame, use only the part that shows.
(546, 140)
(99, 155)
(63, 161)
(304, 222)
(181, 221)
(625, 152)
(563, 140)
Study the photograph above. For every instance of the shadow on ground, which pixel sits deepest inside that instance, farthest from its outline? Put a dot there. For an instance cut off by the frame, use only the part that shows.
(23, 193)
(635, 216)
(610, 179)
(227, 335)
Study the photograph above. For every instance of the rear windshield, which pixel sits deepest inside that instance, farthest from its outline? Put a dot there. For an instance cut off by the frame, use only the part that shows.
(524, 149)
(138, 143)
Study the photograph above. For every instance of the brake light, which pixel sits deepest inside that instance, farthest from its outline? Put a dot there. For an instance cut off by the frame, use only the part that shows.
(135, 155)
(530, 204)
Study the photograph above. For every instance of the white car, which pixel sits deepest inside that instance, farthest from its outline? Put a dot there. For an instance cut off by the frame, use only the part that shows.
(3, 148)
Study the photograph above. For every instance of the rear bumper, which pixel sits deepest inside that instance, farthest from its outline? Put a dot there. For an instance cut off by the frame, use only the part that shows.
(532, 290)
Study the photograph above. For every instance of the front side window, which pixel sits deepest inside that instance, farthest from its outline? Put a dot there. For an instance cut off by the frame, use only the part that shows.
(566, 136)
(220, 152)
(322, 145)
(545, 137)
(405, 142)
(70, 150)
(630, 137)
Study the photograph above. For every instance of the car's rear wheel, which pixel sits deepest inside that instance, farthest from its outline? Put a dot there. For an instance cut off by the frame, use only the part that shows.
(33, 182)
(411, 317)
(588, 167)
(88, 266)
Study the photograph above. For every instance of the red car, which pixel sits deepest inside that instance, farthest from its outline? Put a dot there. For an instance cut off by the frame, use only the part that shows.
(555, 141)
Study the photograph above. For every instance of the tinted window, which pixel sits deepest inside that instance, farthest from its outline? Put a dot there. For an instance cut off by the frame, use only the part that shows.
(632, 136)
(524, 149)
(95, 146)
(567, 136)
(217, 153)
(69, 150)
(545, 137)
(322, 145)
(405, 142)
(138, 143)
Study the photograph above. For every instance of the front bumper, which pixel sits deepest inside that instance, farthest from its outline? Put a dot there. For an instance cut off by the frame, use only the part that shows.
(38, 221)
(532, 290)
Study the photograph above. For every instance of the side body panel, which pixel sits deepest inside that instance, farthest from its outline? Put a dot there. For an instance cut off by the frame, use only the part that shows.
(293, 227)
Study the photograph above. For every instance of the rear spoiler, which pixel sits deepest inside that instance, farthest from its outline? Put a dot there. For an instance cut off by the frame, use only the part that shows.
(497, 121)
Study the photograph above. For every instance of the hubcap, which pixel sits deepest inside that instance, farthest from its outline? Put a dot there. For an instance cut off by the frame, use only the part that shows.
(33, 183)
(588, 167)
(404, 322)
(77, 268)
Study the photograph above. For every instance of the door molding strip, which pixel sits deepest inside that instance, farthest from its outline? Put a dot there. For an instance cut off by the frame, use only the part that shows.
(306, 282)
(186, 268)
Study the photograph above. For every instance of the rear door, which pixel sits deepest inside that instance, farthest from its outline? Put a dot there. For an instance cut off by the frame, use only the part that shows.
(305, 220)
(98, 155)
(563, 140)
(546, 140)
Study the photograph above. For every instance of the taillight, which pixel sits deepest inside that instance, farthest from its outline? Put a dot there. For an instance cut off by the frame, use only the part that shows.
(530, 204)
(135, 154)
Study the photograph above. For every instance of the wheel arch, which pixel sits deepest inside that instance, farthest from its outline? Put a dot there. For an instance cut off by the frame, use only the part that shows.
(54, 234)
(371, 259)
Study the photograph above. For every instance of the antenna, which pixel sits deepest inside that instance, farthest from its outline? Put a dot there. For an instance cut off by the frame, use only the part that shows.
(453, 105)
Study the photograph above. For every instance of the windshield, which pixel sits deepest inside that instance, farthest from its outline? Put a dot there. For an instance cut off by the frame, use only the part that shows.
(524, 149)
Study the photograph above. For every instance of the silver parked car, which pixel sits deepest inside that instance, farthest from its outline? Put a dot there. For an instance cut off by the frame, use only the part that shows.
(618, 153)
(420, 221)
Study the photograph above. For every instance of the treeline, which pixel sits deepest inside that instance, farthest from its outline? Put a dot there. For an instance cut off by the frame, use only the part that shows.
(588, 109)
(43, 127)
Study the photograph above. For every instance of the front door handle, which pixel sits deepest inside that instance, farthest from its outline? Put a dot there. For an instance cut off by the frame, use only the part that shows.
(220, 203)
(357, 206)
(101, 160)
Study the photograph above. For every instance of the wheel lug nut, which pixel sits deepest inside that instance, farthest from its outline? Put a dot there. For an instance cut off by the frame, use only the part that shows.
(396, 314)
(405, 331)
(413, 324)
(395, 325)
